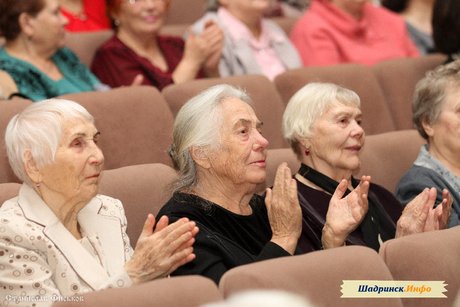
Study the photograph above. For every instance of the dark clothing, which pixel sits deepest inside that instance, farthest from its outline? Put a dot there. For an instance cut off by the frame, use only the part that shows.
(116, 64)
(418, 178)
(315, 203)
(225, 239)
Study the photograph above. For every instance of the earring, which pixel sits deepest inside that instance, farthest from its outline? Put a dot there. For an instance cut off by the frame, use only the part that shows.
(37, 185)
(116, 22)
(307, 151)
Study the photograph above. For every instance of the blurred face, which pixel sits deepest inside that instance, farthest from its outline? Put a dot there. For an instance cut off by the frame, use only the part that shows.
(352, 7)
(47, 27)
(240, 158)
(141, 16)
(74, 175)
(337, 139)
(243, 8)
(444, 134)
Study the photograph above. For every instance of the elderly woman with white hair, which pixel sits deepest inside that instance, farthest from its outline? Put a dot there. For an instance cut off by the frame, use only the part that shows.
(322, 123)
(220, 154)
(58, 237)
(252, 44)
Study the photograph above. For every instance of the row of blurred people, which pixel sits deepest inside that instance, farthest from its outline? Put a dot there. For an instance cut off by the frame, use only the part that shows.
(216, 221)
(235, 39)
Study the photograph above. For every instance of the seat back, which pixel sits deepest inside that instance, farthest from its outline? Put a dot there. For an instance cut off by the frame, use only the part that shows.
(387, 156)
(142, 189)
(398, 79)
(359, 78)
(316, 276)
(8, 190)
(135, 124)
(266, 100)
(185, 11)
(427, 256)
(8, 108)
(181, 291)
(85, 44)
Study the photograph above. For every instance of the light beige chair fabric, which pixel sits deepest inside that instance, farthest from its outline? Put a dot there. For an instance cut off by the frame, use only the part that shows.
(8, 108)
(85, 44)
(398, 78)
(184, 291)
(267, 103)
(135, 124)
(316, 276)
(387, 156)
(8, 190)
(142, 189)
(359, 78)
(427, 256)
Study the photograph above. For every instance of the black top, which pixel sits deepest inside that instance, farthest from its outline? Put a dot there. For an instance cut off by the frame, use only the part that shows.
(315, 203)
(225, 239)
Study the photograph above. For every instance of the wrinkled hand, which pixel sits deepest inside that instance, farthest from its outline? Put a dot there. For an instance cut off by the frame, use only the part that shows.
(420, 214)
(283, 209)
(160, 252)
(438, 218)
(199, 47)
(345, 213)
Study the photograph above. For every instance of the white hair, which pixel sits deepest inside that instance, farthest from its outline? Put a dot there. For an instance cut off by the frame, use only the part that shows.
(307, 105)
(196, 125)
(38, 129)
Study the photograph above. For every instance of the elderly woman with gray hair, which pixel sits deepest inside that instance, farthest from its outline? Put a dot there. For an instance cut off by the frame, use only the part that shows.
(252, 44)
(322, 124)
(436, 115)
(58, 238)
(220, 154)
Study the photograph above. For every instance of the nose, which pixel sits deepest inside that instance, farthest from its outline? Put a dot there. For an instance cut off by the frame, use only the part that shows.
(64, 20)
(261, 142)
(357, 130)
(97, 157)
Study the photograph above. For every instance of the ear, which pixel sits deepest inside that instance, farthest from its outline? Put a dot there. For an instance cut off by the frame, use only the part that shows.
(26, 24)
(427, 127)
(200, 156)
(31, 168)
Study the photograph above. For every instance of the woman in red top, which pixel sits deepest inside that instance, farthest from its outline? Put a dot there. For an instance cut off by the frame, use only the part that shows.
(85, 15)
(138, 52)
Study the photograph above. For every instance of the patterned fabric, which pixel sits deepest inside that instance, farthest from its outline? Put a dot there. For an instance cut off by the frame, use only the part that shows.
(116, 64)
(36, 85)
(40, 257)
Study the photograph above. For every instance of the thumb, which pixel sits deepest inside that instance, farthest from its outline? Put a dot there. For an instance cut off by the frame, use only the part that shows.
(138, 79)
(268, 197)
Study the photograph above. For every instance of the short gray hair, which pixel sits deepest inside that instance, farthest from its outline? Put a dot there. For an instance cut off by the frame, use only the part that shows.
(307, 105)
(430, 94)
(38, 129)
(197, 125)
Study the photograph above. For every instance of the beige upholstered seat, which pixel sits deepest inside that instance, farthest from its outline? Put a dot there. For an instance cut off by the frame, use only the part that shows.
(8, 108)
(387, 156)
(85, 44)
(266, 101)
(316, 276)
(427, 256)
(184, 291)
(135, 124)
(398, 78)
(359, 78)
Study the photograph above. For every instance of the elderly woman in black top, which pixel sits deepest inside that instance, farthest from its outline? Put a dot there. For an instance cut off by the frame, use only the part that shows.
(322, 124)
(220, 153)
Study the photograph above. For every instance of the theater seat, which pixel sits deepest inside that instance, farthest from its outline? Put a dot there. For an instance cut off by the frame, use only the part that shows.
(318, 276)
(266, 101)
(427, 256)
(142, 189)
(184, 291)
(135, 124)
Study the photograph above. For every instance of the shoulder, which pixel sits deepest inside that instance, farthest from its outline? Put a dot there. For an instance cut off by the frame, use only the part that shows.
(110, 206)
(384, 15)
(420, 175)
(198, 25)
(185, 205)
(111, 44)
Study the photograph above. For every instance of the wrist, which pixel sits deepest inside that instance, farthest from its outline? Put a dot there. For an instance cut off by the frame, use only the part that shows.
(288, 243)
(331, 239)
